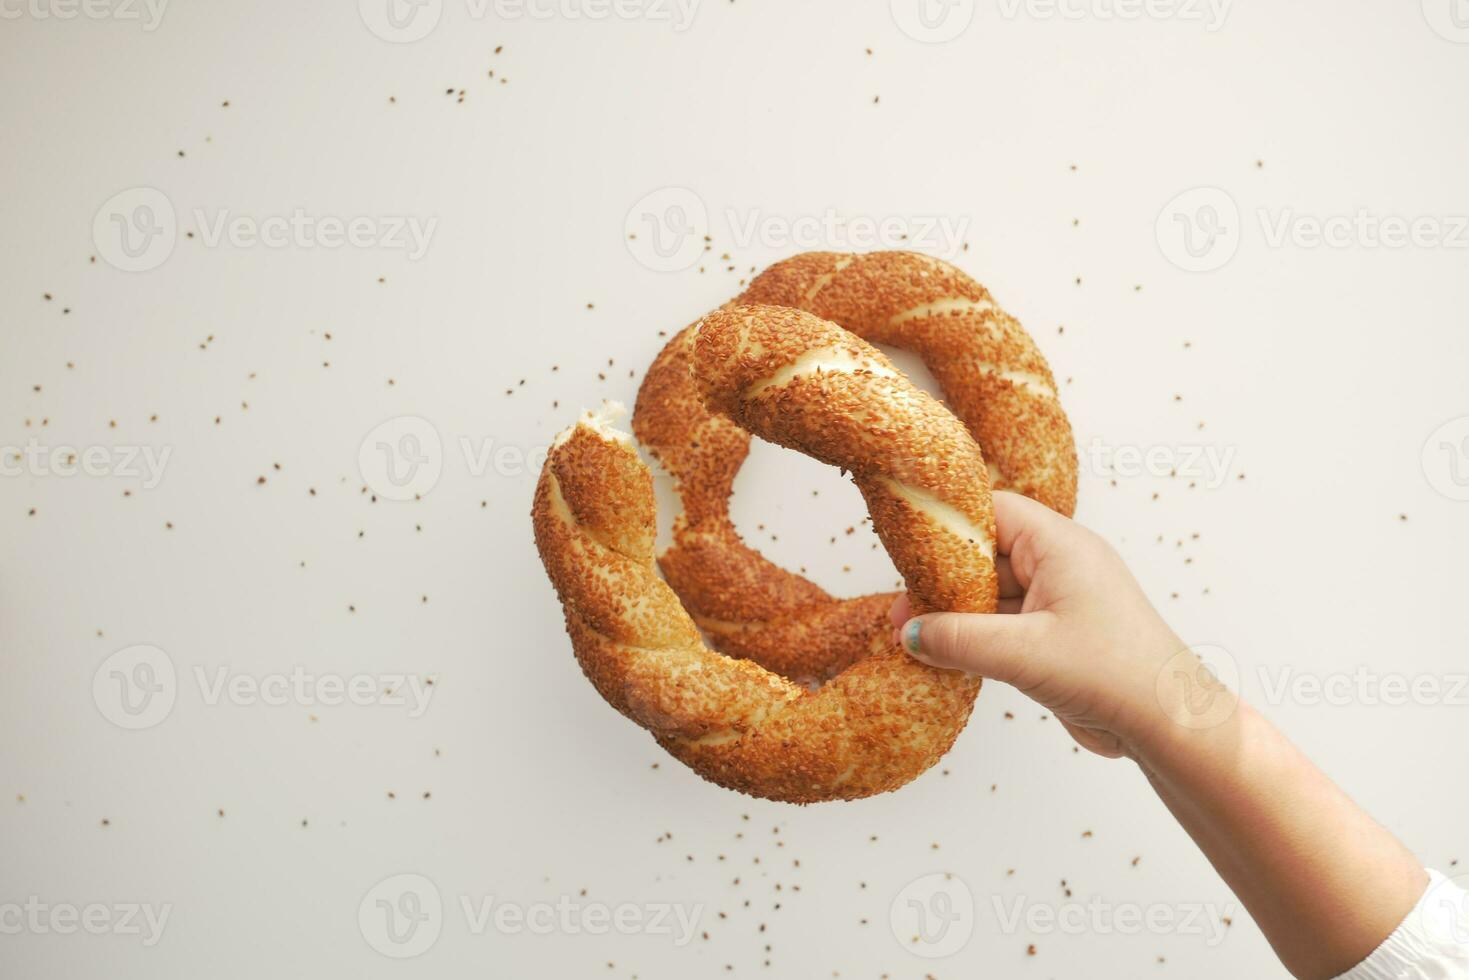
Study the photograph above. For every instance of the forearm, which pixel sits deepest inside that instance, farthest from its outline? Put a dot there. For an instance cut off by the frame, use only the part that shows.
(1325, 882)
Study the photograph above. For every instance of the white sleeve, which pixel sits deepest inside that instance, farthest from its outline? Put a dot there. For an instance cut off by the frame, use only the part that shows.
(1432, 943)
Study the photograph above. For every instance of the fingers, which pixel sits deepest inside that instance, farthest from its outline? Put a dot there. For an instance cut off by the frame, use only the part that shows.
(1011, 595)
(1002, 647)
(900, 612)
(1010, 587)
(1018, 516)
(1026, 529)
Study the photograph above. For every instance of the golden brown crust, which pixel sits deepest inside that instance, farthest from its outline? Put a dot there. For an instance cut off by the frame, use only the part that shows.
(874, 727)
(807, 384)
(812, 644)
(702, 450)
(748, 606)
(991, 372)
(819, 704)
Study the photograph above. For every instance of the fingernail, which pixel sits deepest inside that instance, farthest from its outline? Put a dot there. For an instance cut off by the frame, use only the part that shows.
(910, 635)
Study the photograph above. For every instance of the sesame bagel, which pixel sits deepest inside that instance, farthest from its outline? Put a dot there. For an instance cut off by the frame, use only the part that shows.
(746, 605)
(805, 383)
(991, 374)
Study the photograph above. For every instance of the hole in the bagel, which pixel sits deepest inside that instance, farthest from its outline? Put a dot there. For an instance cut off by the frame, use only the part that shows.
(912, 365)
(804, 516)
(668, 504)
(790, 508)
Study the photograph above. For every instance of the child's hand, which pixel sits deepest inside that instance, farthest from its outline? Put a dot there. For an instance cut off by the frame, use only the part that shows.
(1075, 632)
(1324, 882)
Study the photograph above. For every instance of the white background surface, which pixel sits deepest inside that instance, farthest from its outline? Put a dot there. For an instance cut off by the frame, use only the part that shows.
(1054, 142)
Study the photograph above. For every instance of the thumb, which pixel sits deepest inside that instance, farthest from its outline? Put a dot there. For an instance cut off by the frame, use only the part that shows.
(996, 645)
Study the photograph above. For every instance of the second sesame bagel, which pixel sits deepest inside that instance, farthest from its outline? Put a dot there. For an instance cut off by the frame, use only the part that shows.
(992, 376)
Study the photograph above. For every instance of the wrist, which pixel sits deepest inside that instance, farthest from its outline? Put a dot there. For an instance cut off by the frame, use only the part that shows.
(1186, 707)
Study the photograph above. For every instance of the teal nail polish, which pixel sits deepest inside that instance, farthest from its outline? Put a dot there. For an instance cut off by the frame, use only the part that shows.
(910, 635)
